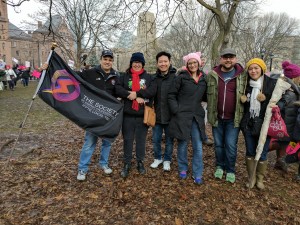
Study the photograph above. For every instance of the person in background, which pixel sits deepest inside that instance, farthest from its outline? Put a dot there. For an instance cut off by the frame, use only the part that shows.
(258, 93)
(288, 112)
(3, 74)
(10, 77)
(17, 72)
(103, 77)
(25, 76)
(136, 87)
(164, 77)
(207, 141)
(226, 83)
(187, 121)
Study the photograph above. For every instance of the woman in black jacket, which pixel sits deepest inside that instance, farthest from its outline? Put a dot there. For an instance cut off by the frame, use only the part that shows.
(135, 87)
(256, 99)
(184, 99)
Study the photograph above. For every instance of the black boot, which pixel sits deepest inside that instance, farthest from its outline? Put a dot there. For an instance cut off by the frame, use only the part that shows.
(141, 168)
(125, 170)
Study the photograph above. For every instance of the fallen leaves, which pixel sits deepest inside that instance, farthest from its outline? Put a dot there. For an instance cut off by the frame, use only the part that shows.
(41, 187)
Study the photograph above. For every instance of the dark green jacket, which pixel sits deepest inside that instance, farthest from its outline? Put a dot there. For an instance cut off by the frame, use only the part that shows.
(212, 80)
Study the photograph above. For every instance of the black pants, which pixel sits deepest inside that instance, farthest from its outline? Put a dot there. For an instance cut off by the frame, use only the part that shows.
(134, 129)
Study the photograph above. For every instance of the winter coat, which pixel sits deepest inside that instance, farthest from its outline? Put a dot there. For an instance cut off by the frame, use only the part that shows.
(97, 77)
(184, 98)
(10, 75)
(289, 111)
(164, 82)
(147, 91)
(214, 107)
(25, 74)
(267, 90)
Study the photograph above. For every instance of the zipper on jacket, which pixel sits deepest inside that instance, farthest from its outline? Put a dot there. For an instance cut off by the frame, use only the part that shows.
(224, 99)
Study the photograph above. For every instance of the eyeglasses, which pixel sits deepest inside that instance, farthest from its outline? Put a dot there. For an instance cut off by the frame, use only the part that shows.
(192, 63)
(228, 57)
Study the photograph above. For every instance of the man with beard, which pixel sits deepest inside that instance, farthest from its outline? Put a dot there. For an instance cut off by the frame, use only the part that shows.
(225, 86)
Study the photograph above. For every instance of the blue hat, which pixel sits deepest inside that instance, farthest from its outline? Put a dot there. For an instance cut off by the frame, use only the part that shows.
(137, 57)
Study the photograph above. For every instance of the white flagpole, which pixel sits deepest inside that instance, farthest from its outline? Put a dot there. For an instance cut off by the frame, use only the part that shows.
(54, 45)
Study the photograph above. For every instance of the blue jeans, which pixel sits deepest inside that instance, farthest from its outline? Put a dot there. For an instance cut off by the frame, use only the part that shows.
(156, 140)
(225, 138)
(251, 144)
(197, 162)
(88, 149)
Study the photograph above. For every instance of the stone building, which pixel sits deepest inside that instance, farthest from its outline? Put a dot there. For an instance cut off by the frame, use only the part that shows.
(33, 47)
(144, 42)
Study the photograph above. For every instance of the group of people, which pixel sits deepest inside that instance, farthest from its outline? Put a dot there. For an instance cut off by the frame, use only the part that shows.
(9, 76)
(237, 99)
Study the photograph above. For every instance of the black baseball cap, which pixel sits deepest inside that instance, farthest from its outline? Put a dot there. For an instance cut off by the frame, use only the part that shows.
(107, 53)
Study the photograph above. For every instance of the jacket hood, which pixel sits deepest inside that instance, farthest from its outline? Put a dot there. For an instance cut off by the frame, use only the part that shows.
(238, 69)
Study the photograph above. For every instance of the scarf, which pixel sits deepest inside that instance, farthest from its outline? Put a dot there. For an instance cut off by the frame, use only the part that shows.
(135, 86)
(254, 103)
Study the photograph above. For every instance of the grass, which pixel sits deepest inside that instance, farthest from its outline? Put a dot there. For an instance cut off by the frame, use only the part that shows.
(14, 108)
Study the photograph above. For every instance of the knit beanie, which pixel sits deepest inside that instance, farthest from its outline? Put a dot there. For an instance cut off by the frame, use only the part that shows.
(193, 55)
(290, 70)
(259, 62)
(137, 57)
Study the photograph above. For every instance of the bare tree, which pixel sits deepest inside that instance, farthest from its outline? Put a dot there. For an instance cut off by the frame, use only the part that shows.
(189, 32)
(265, 34)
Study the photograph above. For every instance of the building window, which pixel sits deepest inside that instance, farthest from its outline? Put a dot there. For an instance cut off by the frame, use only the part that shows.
(3, 45)
(14, 44)
(17, 53)
(29, 53)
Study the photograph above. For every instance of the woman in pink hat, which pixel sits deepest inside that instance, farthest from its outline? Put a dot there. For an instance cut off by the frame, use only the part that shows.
(184, 98)
(291, 110)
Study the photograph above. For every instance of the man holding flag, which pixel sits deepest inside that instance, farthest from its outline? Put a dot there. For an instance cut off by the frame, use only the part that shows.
(87, 99)
(104, 78)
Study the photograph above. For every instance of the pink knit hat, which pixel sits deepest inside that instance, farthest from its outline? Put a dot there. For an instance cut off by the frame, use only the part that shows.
(290, 70)
(193, 55)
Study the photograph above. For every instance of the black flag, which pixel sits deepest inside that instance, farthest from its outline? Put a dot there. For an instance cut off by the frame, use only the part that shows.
(89, 107)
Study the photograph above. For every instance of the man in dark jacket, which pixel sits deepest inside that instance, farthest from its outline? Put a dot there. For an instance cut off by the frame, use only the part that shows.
(164, 78)
(104, 78)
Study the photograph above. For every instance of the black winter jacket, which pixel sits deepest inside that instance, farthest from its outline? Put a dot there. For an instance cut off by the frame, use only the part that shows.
(267, 90)
(289, 111)
(147, 91)
(184, 99)
(164, 82)
(97, 77)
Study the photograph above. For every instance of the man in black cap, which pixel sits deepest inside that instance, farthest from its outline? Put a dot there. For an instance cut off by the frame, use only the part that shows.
(225, 110)
(103, 77)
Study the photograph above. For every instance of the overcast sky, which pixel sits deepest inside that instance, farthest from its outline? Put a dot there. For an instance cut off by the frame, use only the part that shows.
(277, 6)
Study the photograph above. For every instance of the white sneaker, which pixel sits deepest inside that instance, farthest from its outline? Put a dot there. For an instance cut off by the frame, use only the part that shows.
(167, 166)
(106, 169)
(156, 163)
(81, 175)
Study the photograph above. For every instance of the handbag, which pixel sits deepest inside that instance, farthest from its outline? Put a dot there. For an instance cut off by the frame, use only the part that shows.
(149, 116)
(277, 127)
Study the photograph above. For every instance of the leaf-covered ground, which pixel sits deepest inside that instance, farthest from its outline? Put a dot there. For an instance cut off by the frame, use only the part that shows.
(39, 186)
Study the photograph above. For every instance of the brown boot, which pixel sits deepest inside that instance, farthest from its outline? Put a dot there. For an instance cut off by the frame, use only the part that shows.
(260, 174)
(250, 163)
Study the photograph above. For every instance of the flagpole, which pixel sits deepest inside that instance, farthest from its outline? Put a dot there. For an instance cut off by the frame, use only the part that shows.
(54, 45)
